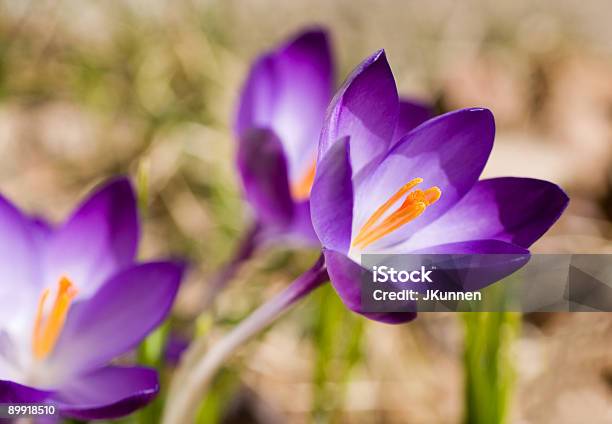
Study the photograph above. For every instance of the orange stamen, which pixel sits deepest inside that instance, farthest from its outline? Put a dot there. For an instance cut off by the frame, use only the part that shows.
(393, 222)
(301, 189)
(411, 208)
(46, 334)
(386, 206)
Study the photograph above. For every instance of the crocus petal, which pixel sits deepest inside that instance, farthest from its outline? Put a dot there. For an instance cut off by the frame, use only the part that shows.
(331, 198)
(116, 318)
(477, 264)
(449, 151)
(18, 262)
(390, 317)
(263, 168)
(474, 247)
(411, 115)
(346, 277)
(176, 345)
(257, 98)
(302, 225)
(516, 210)
(42, 229)
(107, 393)
(497, 260)
(10, 368)
(288, 91)
(19, 267)
(99, 239)
(365, 109)
(11, 392)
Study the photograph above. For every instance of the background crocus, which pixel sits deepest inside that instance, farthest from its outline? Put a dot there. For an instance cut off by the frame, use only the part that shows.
(279, 116)
(74, 298)
(280, 113)
(278, 123)
(367, 195)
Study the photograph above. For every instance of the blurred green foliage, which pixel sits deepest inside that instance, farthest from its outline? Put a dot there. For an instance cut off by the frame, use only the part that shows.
(488, 361)
(338, 337)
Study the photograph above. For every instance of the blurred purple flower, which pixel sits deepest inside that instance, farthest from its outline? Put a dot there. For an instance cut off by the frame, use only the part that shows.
(176, 345)
(73, 298)
(364, 198)
(280, 114)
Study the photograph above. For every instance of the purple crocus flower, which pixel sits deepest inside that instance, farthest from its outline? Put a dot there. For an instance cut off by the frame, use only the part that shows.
(73, 299)
(366, 196)
(279, 120)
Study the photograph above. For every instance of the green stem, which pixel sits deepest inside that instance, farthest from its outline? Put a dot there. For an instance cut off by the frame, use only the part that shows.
(488, 367)
(202, 361)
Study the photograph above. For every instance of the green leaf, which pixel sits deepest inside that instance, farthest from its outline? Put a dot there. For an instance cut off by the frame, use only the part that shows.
(488, 367)
(338, 335)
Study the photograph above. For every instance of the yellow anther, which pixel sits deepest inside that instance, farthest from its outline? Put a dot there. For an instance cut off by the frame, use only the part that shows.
(413, 205)
(301, 189)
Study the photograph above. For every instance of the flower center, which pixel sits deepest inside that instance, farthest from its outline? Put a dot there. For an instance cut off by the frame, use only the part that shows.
(413, 205)
(47, 331)
(300, 190)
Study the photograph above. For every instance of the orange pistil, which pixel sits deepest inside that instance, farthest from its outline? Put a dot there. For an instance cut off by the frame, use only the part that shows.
(413, 205)
(45, 334)
(300, 190)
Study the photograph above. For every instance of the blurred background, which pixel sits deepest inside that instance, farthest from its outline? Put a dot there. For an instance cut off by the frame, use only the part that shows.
(89, 89)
